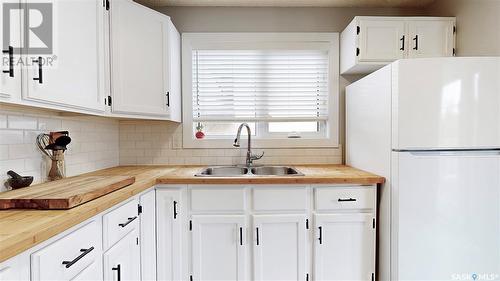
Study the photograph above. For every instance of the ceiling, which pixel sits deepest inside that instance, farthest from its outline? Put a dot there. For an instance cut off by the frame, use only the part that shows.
(290, 3)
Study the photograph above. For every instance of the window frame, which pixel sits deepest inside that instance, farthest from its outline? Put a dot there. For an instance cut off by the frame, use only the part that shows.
(231, 41)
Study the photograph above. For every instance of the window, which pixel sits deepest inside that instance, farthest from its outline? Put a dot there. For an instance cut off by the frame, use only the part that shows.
(285, 86)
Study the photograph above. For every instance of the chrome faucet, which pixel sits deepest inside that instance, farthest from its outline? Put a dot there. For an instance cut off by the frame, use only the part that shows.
(250, 157)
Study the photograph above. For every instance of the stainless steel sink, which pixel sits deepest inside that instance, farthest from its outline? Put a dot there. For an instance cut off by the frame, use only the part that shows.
(223, 171)
(275, 171)
(240, 171)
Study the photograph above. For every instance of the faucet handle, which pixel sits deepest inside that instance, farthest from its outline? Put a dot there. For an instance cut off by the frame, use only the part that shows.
(257, 157)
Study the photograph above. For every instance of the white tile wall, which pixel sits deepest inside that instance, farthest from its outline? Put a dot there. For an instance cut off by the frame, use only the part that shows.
(94, 142)
(156, 142)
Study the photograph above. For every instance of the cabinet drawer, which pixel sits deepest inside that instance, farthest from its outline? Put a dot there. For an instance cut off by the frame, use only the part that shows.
(118, 222)
(225, 199)
(67, 257)
(274, 198)
(344, 198)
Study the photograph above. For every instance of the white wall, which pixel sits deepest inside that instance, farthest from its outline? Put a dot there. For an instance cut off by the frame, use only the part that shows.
(270, 19)
(478, 25)
(94, 143)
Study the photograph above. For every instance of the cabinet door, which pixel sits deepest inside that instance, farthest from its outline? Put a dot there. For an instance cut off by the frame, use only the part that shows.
(381, 40)
(218, 247)
(72, 75)
(139, 55)
(280, 247)
(431, 38)
(122, 262)
(148, 235)
(169, 234)
(92, 272)
(16, 268)
(344, 247)
(10, 74)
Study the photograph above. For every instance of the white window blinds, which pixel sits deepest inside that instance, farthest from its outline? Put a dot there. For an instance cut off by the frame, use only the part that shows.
(260, 85)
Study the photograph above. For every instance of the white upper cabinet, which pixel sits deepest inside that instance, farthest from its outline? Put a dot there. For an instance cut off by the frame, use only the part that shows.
(72, 75)
(218, 247)
(369, 43)
(144, 43)
(382, 40)
(280, 246)
(10, 74)
(431, 38)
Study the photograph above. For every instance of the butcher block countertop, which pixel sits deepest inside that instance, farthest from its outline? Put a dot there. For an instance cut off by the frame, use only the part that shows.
(23, 229)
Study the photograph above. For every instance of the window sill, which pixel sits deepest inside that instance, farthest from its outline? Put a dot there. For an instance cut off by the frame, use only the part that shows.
(262, 143)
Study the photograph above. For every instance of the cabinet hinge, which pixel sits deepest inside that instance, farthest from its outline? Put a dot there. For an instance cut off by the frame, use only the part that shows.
(190, 225)
(307, 223)
(106, 4)
(357, 51)
(454, 29)
(373, 223)
(109, 101)
(137, 240)
(307, 277)
(373, 276)
(168, 99)
(454, 52)
(191, 277)
(358, 30)
(139, 209)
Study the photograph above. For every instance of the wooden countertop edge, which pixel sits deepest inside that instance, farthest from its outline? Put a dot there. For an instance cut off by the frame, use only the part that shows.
(270, 180)
(59, 223)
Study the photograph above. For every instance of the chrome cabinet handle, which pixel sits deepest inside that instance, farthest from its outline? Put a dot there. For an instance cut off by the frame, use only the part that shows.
(40, 70)
(129, 221)
(84, 253)
(10, 51)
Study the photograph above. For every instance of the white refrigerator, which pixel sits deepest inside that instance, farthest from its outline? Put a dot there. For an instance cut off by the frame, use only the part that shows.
(431, 127)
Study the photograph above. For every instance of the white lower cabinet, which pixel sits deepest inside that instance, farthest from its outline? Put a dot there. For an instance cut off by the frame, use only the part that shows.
(280, 247)
(125, 251)
(218, 247)
(78, 253)
(169, 233)
(147, 216)
(272, 232)
(344, 248)
(122, 262)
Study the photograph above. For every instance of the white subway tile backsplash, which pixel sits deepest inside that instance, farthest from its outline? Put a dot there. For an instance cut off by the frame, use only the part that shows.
(22, 122)
(11, 136)
(3, 121)
(95, 143)
(163, 142)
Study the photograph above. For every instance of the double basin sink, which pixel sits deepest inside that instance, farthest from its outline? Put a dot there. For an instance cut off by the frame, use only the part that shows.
(240, 171)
